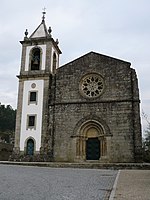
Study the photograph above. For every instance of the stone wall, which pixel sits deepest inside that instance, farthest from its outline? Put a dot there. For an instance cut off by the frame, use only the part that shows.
(5, 151)
(116, 107)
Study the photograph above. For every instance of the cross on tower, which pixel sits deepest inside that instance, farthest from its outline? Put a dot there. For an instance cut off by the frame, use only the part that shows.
(44, 12)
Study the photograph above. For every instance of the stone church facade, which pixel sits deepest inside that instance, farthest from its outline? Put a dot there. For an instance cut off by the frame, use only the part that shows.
(85, 110)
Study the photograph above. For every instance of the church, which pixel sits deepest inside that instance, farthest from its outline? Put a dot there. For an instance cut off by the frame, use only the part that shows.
(86, 110)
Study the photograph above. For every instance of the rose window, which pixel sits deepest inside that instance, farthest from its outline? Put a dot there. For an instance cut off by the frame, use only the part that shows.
(92, 85)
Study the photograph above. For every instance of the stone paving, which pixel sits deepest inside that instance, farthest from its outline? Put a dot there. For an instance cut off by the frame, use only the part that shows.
(133, 185)
(35, 183)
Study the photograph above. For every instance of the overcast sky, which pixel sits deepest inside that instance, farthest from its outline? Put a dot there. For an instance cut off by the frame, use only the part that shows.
(117, 28)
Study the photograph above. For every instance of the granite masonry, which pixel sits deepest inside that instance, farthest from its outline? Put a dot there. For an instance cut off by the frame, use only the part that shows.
(89, 111)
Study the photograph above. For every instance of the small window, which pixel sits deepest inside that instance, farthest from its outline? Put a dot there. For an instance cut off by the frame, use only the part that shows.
(31, 121)
(33, 97)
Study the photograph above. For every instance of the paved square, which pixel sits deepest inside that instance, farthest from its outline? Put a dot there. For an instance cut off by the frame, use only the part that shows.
(38, 183)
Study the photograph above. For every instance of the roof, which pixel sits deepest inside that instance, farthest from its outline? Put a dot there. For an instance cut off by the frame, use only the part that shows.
(94, 55)
(41, 31)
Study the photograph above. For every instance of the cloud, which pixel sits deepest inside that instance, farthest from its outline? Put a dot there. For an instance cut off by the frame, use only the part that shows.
(116, 28)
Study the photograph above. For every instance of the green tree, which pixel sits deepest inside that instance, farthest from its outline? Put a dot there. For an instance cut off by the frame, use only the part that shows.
(146, 140)
(7, 122)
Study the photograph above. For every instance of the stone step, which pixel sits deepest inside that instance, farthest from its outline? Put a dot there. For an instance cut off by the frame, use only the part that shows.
(86, 165)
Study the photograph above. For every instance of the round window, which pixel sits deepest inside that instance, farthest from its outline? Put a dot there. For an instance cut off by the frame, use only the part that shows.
(92, 85)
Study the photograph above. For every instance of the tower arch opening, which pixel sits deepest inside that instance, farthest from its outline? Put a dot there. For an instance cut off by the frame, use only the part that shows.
(35, 58)
(54, 63)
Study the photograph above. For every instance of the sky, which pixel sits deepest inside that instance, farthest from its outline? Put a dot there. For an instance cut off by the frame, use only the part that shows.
(117, 28)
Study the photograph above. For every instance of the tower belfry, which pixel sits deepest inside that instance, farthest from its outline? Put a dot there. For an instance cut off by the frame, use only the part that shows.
(40, 59)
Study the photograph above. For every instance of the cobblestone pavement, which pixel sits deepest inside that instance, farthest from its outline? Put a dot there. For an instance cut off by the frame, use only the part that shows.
(133, 185)
(34, 183)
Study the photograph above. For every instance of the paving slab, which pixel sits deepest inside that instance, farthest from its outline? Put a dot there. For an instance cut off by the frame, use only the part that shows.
(44, 183)
(133, 185)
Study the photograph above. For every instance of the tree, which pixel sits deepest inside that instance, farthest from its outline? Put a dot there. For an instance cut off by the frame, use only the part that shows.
(146, 140)
(7, 122)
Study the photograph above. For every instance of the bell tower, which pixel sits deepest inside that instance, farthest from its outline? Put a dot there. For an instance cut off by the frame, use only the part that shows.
(40, 59)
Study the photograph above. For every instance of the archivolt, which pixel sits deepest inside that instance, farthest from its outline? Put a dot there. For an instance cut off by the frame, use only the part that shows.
(91, 122)
(90, 127)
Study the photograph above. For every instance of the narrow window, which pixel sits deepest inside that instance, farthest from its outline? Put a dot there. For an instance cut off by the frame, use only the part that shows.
(31, 121)
(35, 59)
(33, 97)
(54, 63)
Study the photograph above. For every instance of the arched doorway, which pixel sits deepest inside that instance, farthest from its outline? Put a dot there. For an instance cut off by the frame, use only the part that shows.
(91, 141)
(30, 147)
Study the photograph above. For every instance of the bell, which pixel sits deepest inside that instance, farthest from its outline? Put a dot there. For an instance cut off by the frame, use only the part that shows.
(35, 62)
